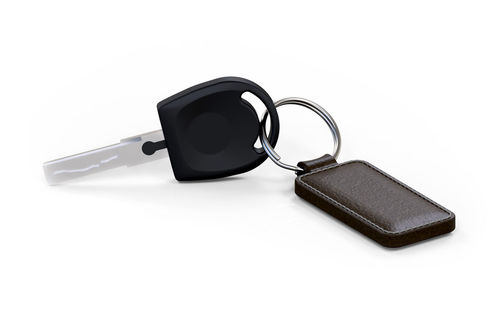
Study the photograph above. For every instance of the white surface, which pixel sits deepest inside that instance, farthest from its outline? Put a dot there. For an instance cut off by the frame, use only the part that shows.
(413, 86)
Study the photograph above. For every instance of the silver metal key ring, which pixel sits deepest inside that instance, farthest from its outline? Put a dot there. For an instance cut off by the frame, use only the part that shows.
(307, 104)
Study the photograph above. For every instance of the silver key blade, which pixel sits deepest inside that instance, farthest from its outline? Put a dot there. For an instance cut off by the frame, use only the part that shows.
(126, 153)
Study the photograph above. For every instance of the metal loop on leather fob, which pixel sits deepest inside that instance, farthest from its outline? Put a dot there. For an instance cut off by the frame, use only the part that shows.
(311, 106)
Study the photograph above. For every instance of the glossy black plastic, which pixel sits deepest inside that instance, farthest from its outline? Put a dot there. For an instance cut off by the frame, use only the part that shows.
(210, 130)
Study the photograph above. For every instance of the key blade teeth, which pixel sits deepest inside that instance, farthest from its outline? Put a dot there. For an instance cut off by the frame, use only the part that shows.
(83, 164)
(126, 153)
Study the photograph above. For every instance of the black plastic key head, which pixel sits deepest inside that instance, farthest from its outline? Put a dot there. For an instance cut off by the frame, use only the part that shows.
(210, 130)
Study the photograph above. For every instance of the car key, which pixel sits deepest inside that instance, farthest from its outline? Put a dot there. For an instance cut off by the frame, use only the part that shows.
(361, 195)
(209, 132)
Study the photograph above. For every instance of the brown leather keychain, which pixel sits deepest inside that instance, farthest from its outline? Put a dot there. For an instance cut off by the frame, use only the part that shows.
(361, 195)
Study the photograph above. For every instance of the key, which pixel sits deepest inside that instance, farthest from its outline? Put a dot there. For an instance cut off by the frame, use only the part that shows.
(127, 152)
(363, 196)
(209, 132)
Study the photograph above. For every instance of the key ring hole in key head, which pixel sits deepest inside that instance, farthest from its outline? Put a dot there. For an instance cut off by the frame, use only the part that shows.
(275, 157)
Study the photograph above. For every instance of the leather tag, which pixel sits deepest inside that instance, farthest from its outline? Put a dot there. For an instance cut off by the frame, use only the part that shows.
(372, 202)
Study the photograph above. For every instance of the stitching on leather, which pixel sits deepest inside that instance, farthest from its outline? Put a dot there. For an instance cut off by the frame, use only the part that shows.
(351, 212)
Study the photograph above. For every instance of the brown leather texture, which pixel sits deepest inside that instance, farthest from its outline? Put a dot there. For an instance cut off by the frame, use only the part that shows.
(374, 203)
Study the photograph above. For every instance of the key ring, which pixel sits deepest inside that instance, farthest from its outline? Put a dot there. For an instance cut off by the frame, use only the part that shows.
(313, 107)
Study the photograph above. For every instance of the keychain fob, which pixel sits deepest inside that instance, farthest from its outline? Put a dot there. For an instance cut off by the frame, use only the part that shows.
(363, 196)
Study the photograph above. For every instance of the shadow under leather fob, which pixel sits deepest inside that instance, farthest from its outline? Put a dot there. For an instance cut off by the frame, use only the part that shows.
(210, 130)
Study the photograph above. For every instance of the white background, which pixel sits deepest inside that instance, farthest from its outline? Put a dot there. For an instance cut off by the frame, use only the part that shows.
(414, 87)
